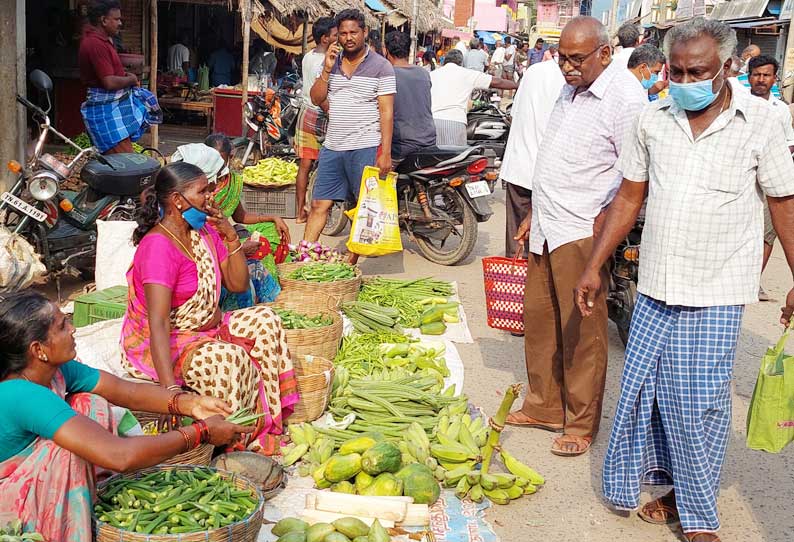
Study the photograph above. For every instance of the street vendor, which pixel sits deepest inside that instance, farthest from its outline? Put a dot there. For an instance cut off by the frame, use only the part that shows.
(57, 429)
(174, 332)
(213, 158)
(117, 111)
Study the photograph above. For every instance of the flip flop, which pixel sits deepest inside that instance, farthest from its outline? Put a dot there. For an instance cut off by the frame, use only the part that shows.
(556, 449)
(702, 536)
(532, 423)
(665, 505)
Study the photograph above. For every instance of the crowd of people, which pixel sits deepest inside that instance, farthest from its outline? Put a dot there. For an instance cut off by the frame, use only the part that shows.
(691, 136)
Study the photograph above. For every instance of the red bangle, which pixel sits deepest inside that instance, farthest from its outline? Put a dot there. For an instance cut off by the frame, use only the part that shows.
(205, 431)
(186, 437)
(173, 403)
(198, 435)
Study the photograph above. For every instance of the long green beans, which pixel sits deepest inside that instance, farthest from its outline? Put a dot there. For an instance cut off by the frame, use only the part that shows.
(404, 295)
(323, 272)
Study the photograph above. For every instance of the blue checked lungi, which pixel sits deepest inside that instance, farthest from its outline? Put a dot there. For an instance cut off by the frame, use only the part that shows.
(113, 116)
(673, 417)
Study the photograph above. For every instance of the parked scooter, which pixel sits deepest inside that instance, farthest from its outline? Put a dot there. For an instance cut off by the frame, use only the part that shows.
(442, 196)
(488, 127)
(622, 294)
(60, 224)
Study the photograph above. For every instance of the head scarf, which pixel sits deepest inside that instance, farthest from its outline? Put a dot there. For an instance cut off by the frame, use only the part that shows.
(206, 158)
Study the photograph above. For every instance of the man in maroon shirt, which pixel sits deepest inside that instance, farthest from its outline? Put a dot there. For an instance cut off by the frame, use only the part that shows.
(116, 110)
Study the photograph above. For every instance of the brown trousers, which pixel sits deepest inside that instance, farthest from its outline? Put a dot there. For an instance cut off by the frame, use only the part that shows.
(566, 355)
(518, 202)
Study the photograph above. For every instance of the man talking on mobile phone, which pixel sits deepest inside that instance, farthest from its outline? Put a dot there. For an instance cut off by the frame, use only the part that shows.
(360, 88)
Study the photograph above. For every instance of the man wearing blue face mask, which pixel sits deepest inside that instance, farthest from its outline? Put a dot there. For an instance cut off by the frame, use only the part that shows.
(704, 158)
(645, 63)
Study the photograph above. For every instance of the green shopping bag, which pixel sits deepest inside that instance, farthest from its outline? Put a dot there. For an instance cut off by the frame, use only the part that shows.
(770, 420)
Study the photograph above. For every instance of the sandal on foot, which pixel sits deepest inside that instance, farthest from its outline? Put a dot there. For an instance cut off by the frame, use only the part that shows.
(582, 445)
(700, 536)
(661, 511)
(520, 419)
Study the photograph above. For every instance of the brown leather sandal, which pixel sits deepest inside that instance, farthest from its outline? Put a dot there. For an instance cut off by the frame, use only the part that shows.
(582, 444)
(519, 419)
(700, 536)
(661, 511)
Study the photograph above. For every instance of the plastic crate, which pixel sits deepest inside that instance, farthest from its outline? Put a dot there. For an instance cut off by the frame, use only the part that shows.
(278, 201)
(107, 304)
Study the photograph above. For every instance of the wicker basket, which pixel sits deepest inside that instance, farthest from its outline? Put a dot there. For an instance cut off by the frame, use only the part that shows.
(317, 341)
(304, 294)
(197, 456)
(242, 531)
(315, 380)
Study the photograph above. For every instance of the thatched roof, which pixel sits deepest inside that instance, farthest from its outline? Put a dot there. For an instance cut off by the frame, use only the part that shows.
(429, 13)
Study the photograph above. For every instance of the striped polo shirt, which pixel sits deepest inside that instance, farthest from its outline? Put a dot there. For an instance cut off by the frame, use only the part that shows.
(353, 114)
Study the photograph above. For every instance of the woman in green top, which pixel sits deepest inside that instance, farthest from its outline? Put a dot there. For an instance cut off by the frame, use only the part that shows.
(228, 196)
(51, 443)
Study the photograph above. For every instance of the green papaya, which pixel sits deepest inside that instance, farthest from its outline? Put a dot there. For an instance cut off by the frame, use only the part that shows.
(383, 457)
(363, 481)
(351, 527)
(361, 444)
(342, 467)
(420, 483)
(289, 525)
(318, 532)
(344, 487)
(384, 485)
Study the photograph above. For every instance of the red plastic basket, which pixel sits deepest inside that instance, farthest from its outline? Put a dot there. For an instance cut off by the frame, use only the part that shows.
(504, 280)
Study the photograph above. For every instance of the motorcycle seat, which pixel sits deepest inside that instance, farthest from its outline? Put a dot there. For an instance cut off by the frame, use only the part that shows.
(434, 157)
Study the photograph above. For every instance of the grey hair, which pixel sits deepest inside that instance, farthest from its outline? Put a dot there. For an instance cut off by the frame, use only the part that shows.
(628, 35)
(736, 63)
(646, 54)
(602, 33)
(453, 57)
(723, 34)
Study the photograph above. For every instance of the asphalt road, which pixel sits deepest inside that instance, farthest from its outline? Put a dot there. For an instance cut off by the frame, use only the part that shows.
(756, 502)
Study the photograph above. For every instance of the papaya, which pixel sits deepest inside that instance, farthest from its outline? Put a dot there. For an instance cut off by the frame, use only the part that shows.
(363, 481)
(383, 457)
(420, 483)
(342, 467)
(351, 527)
(384, 485)
(361, 444)
(289, 525)
(318, 532)
(344, 487)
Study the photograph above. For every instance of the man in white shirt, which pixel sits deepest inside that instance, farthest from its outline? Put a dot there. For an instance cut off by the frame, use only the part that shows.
(703, 159)
(532, 107)
(629, 38)
(498, 60)
(179, 55)
(450, 95)
(762, 71)
(460, 45)
(510, 58)
(476, 59)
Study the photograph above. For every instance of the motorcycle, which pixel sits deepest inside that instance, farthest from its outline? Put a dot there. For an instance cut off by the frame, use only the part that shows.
(271, 117)
(442, 195)
(622, 294)
(488, 127)
(61, 224)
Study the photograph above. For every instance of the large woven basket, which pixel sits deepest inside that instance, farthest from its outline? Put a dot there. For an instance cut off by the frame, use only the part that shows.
(315, 379)
(305, 294)
(246, 530)
(318, 341)
(197, 456)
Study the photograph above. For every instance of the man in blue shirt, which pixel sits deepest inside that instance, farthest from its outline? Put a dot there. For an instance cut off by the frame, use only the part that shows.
(536, 54)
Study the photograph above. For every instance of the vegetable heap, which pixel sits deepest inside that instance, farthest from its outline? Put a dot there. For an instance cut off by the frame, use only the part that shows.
(323, 272)
(174, 502)
(369, 317)
(294, 320)
(13, 532)
(306, 251)
(409, 297)
(271, 171)
(344, 529)
(360, 354)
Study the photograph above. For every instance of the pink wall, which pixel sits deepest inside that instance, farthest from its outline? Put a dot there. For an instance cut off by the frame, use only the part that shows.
(548, 13)
(489, 16)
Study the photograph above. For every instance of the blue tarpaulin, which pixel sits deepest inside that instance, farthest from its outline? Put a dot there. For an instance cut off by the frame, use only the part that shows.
(376, 5)
(489, 38)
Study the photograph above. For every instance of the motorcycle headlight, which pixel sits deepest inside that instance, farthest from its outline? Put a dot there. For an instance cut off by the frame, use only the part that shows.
(43, 185)
(248, 110)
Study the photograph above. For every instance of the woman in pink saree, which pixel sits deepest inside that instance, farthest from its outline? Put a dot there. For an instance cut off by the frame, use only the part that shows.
(57, 429)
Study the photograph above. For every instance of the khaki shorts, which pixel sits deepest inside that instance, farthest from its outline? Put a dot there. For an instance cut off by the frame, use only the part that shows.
(769, 230)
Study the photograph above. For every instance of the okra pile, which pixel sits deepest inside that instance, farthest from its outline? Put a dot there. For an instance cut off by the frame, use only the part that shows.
(174, 502)
(323, 272)
(295, 320)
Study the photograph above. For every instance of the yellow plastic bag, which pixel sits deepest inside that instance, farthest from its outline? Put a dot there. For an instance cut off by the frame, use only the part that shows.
(376, 228)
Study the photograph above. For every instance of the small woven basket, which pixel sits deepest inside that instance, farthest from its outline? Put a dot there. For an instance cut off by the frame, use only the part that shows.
(504, 280)
(246, 530)
(317, 341)
(202, 455)
(304, 294)
(315, 377)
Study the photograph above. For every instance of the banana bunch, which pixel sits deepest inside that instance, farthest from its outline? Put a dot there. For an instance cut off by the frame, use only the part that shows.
(416, 445)
(499, 488)
(307, 445)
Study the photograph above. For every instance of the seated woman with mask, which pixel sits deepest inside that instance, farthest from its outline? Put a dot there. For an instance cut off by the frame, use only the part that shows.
(174, 332)
(213, 157)
(57, 428)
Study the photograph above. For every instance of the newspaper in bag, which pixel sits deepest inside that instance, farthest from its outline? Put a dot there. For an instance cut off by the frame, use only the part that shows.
(376, 228)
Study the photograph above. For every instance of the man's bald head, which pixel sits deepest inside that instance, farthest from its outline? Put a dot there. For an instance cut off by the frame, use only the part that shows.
(751, 51)
(584, 51)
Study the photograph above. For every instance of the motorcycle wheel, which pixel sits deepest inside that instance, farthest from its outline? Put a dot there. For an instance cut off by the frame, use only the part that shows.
(238, 153)
(630, 300)
(465, 231)
(337, 219)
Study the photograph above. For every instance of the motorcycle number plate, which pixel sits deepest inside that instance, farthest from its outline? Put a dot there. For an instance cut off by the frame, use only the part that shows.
(26, 208)
(478, 189)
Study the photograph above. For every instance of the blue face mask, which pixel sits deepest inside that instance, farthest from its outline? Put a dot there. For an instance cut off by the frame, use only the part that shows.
(195, 218)
(648, 83)
(694, 96)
